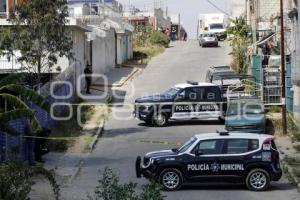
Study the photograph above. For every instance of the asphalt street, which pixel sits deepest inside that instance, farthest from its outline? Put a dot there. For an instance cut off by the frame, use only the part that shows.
(125, 137)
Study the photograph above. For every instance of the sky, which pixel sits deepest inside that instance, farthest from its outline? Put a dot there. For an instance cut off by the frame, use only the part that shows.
(188, 9)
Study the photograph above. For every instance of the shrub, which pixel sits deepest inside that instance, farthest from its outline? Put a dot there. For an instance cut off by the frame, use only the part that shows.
(16, 180)
(110, 188)
(160, 39)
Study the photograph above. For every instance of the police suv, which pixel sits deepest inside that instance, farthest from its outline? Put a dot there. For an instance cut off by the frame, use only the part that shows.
(191, 100)
(252, 159)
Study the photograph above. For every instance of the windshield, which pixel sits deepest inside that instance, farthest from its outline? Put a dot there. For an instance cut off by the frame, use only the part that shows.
(217, 75)
(209, 35)
(245, 108)
(187, 145)
(171, 92)
(216, 26)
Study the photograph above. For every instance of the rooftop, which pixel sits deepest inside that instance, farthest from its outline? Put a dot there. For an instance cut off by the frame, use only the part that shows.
(233, 135)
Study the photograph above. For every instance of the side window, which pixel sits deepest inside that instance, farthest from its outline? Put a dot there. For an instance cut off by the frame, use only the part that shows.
(209, 147)
(192, 94)
(212, 93)
(237, 146)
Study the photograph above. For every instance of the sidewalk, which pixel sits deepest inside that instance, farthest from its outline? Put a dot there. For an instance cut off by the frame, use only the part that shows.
(68, 165)
(288, 154)
(116, 77)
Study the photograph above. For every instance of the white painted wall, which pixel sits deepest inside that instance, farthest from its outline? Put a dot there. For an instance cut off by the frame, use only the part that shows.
(104, 53)
(297, 102)
(78, 36)
(119, 49)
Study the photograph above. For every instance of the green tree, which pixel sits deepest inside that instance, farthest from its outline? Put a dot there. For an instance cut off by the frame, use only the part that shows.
(39, 33)
(17, 98)
(238, 31)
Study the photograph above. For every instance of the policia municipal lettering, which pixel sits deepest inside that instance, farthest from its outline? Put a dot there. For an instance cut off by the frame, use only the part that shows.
(215, 167)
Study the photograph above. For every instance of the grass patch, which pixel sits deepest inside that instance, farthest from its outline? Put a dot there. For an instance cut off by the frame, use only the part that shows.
(70, 131)
(292, 128)
(294, 163)
(87, 112)
(274, 109)
(144, 53)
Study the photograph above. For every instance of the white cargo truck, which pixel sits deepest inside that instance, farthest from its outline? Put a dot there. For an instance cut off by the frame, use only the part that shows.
(212, 23)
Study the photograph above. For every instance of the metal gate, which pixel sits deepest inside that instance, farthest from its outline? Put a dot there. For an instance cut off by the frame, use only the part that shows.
(272, 85)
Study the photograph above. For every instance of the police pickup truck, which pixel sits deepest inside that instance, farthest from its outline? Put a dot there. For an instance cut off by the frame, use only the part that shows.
(252, 159)
(191, 100)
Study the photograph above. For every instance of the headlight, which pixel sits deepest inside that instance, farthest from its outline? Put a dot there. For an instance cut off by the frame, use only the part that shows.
(151, 161)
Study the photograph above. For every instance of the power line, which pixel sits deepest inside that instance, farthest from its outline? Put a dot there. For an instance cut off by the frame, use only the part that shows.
(218, 8)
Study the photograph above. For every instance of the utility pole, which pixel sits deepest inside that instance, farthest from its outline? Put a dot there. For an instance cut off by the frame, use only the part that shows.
(282, 52)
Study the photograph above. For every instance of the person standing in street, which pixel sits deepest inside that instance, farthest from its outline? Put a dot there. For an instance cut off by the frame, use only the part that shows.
(88, 78)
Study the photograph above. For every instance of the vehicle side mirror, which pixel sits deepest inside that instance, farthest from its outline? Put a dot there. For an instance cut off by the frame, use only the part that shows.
(198, 153)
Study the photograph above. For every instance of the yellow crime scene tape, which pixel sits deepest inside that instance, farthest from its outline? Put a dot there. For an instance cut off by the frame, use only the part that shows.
(106, 138)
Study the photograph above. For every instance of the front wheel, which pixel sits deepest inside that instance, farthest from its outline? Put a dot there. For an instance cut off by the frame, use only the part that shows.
(258, 180)
(171, 179)
(160, 120)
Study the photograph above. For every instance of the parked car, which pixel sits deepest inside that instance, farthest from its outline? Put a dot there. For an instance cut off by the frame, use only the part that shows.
(216, 71)
(208, 39)
(252, 159)
(246, 115)
(187, 101)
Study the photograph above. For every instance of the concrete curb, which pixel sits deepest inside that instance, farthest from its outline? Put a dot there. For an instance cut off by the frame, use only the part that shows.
(96, 136)
(120, 84)
(291, 176)
(92, 146)
(131, 66)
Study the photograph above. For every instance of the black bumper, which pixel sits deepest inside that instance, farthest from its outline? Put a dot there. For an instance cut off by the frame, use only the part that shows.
(140, 171)
(145, 116)
(277, 175)
(210, 44)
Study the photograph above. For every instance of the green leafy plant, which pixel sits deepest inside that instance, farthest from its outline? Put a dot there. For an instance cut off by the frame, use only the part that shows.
(17, 98)
(39, 33)
(16, 180)
(148, 43)
(110, 188)
(238, 31)
(160, 39)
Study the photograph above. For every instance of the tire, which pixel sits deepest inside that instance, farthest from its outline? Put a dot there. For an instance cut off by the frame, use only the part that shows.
(171, 179)
(258, 180)
(160, 120)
